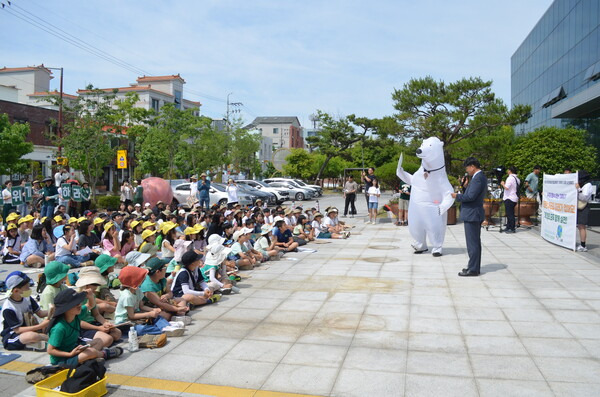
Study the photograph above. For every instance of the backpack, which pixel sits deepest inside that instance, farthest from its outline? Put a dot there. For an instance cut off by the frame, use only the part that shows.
(41, 283)
(83, 376)
(152, 341)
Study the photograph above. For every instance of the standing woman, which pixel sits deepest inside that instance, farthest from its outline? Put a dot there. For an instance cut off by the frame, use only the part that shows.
(86, 195)
(50, 195)
(138, 196)
(126, 193)
(374, 194)
(7, 197)
(511, 186)
(23, 207)
(350, 189)
(584, 196)
(232, 193)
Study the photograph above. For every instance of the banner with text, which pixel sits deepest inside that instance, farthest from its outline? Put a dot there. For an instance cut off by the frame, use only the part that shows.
(559, 209)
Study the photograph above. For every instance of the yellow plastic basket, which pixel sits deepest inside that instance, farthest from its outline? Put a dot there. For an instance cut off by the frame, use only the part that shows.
(46, 387)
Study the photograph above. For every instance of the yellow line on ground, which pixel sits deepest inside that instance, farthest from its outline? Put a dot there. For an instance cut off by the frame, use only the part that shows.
(168, 385)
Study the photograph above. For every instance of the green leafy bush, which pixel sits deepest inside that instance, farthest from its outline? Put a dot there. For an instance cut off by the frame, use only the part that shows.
(108, 202)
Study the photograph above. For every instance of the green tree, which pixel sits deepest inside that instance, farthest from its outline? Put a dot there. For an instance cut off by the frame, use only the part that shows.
(299, 164)
(452, 112)
(244, 146)
(163, 140)
(335, 137)
(202, 148)
(491, 149)
(554, 149)
(13, 146)
(87, 134)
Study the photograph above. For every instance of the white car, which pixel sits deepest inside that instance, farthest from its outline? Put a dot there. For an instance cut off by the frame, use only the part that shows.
(314, 192)
(181, 193)
(282, 194)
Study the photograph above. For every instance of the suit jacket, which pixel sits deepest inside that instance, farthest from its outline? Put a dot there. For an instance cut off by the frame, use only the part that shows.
(471, 208)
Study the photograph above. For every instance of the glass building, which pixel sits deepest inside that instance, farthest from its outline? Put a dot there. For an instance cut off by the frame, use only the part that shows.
(556, 70)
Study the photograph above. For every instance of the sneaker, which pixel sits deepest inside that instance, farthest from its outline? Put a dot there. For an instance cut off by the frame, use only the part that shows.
(214, 299)
(235, 290)
(177, 324)
(581, 248)
(87, 263)
(187, 320)
(112, 352)
(225, 291)
(173, 332)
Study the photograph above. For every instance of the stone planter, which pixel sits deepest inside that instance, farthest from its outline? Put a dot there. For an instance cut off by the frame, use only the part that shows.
(524, 210)
(490, 208)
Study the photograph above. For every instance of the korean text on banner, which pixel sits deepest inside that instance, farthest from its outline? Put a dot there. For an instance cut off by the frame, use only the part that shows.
(559, 210)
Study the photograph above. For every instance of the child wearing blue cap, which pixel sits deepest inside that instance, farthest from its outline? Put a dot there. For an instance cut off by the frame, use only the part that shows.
(16, 334)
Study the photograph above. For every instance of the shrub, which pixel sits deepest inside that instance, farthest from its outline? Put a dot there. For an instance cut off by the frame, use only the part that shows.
(108, 202)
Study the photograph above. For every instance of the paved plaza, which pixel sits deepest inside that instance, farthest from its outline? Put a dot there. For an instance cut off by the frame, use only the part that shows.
(367, 317)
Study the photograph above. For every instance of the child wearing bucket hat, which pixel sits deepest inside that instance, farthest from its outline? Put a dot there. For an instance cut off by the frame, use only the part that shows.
(105, 300)
(63, 339)
(12, 245)
(266, 245)
(93, 324)
(18, 306)
(214, 270)
(131, 306)
(111, 242)
(55, 274)
(157, 292)
(148, 246)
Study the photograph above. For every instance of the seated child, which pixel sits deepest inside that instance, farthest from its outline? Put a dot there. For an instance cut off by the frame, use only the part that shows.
(56, 274)
(188, 283)
(63, 339)
(148, 246)
(214, 270)
(157, 292)
(19, 304)
(12, 245)
(266, 245)
(93, 325)
(105, 300)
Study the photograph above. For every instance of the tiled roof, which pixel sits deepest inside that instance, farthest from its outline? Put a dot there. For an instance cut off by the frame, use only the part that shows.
(48, 93)
(145, 79)
(23, 69)
(127, 89)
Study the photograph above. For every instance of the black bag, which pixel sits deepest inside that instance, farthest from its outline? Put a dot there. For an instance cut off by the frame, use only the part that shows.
(83, 376)
(40, 373)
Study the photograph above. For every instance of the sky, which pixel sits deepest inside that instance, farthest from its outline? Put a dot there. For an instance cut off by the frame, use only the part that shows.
(278, 57)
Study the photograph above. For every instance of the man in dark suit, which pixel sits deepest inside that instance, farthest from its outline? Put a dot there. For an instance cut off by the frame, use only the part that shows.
(472, 214)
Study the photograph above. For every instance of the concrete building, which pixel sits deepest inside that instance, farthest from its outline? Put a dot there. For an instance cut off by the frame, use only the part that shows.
(265, 153)
(154, 92)
(286, 132)
(556, 70)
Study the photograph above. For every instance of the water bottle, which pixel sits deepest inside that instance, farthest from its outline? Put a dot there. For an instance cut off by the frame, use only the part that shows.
(318, 207)
(133, 340)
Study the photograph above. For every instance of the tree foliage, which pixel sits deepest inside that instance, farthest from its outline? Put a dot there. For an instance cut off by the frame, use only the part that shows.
(13, 146)
(491, 149)
(452, 112)
(244, 145)
(87, 134)
(554, 149)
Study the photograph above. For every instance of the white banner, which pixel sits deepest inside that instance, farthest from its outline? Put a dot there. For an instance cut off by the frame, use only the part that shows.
(559, 209)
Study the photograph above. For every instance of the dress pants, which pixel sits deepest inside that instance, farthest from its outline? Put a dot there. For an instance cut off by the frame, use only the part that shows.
(350, 198)
(509, 206)
(473, 237)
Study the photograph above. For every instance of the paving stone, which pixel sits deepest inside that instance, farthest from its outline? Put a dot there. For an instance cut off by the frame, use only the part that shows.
(438, 364)
(435, 386)
(513, 388)
(350, 383)
(301, 379)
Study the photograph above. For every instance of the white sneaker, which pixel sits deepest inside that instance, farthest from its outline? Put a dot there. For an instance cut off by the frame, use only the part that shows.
(235, 290)
(581, 248)
(187, 320)
(177, 324)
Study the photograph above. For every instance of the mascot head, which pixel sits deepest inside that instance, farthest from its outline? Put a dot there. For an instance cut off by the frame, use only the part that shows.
(431, 150)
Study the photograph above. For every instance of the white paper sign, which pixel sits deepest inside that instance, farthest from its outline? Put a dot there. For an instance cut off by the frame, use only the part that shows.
(559, 210)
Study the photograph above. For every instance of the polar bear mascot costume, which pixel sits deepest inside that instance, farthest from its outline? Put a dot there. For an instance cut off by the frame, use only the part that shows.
(430, 197)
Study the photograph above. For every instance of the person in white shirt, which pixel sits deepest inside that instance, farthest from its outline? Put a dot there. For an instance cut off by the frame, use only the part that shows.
(374, 194)
(7, 197)
(60, 177)
(510, 197)
(232, 193)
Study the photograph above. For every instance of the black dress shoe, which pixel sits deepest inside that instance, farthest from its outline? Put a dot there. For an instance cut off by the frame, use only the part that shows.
(468, 274)
(421, 251)
(436, 254)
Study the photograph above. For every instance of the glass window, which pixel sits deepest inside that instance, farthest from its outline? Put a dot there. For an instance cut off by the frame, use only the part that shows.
(178, 97)
(275, 130)
(155, 104)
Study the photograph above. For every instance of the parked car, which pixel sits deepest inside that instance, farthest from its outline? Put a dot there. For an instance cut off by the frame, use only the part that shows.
(318, 188)
(217, 195)
(296, 193)
(244, 197)
(295, 184)
(266, 197)
(282, 194)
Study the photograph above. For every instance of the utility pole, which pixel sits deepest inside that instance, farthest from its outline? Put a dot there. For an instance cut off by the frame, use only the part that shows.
(236, 106)
(60, 108)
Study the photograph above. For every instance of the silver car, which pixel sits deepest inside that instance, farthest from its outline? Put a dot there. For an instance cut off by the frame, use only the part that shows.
(296, 193)
(181, 193)
(282, 194)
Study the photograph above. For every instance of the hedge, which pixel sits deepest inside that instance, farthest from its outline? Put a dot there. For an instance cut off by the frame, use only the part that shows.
(106, 202)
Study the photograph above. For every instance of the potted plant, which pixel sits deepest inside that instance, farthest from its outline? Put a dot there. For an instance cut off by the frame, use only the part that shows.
(526, 208)
(491, 206)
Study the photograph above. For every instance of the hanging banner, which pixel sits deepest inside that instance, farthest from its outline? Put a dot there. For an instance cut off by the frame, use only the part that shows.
(559, 210)
(76, 193)
(17, 195)
(28, 192)
(121, 159)
(65, 191)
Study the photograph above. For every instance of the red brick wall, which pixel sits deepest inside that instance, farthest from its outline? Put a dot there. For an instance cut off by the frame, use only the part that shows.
(39, 120)
(296, 140)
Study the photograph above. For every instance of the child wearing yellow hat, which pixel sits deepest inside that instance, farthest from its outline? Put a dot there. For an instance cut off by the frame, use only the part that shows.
(12, 245)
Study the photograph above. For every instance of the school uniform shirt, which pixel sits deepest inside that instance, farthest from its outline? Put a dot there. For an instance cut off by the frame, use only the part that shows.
(329, 222)
(127, 299)
(12, 314)
(238, 248)
(60, 250)
(262, 244)
(191, 280)
(372, 194)
(316, 227)
(34, 247)
(13, 243)
(64, 336)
